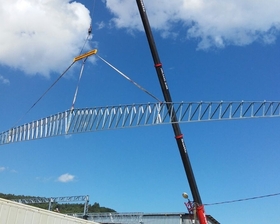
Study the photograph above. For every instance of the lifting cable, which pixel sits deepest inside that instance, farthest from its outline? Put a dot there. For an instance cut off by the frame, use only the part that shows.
(129, 79)
(84, 61)
(84, 57)
(46, 91)
(77, 88)
(81, 71)
(87, 38)
(89, 29)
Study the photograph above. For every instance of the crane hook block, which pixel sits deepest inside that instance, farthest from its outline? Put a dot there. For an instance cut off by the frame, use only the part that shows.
(87, 54)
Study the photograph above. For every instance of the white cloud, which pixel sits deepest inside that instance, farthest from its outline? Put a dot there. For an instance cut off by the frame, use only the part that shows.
(215, 23)
(41, 36)
(2, 169)
(4, 80)
(64, 178)
(100, 25)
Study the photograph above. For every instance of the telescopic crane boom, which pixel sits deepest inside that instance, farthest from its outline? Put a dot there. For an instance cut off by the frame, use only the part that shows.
(175, 125)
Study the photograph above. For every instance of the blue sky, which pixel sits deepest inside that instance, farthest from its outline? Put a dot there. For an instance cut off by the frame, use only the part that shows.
(209, 52)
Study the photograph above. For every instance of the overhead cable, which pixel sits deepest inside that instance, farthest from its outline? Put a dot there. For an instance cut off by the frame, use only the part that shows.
(244, 199)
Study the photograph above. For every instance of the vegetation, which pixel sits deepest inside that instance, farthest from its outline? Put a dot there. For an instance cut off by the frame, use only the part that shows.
(63, 208)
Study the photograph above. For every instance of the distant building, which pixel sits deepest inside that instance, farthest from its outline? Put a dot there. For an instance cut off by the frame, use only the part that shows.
(173, 218)
(144, 218)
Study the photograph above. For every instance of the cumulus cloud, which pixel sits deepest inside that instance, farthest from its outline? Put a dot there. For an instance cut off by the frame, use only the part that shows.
(3, 80)
(215, 23)
(64, 178)
(39, 37)
(2, 169)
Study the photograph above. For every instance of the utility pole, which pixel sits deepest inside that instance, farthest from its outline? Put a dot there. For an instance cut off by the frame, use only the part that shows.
(175, 125)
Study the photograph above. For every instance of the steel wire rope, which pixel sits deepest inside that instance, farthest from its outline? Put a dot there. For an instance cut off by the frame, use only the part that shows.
(89, 29)
(93, 9)
(81, 71)
(84, 61)
(77, 88)
(129, 79)
(76, 92)
(45, 92)
(87, 38)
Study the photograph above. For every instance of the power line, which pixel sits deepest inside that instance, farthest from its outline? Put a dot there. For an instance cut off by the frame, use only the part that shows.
(243, 199)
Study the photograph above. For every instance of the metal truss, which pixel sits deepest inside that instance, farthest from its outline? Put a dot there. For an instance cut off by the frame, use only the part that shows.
(39, 200)
(124, 116)
(32, 200)
(42, 200)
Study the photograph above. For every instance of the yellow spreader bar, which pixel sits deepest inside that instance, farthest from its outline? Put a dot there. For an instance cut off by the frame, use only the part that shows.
(87, 54)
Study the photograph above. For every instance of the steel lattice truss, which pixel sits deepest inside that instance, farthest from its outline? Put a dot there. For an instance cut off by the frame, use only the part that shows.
(123, 116)
(40, 200)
